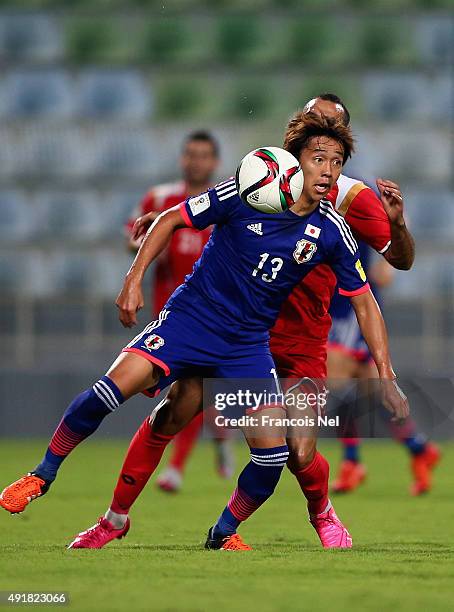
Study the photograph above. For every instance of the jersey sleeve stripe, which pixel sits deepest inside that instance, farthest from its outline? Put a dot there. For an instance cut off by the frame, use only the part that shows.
(385, 248)
(225, 187)
(231, 179)
(184, 214)
(224, 190)
(228, 194)
(348, 199)
(364, 289)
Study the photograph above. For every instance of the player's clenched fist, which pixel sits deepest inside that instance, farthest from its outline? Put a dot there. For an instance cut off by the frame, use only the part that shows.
(394, 399)
(129, 302)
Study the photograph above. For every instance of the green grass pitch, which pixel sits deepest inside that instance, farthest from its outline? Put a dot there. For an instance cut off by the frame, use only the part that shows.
(403, 556)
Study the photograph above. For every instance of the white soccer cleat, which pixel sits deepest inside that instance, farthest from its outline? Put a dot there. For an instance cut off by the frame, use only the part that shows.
(170, 481)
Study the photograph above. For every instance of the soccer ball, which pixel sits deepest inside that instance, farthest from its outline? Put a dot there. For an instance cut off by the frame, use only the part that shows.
(269, 179)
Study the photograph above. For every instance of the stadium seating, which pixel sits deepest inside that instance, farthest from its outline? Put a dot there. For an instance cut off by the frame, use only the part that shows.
(123, 152)
(93, 111)
(67, 215)
(107, 95)
(30, 37)
(36, 94)
(17, 216)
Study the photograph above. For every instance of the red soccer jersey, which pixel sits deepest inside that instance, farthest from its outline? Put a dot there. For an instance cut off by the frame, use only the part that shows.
(184, 249)
(304, 321)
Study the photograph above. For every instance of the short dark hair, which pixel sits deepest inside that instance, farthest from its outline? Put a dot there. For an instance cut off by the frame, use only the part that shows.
(304, 126)
(330, 97)
(202, 136)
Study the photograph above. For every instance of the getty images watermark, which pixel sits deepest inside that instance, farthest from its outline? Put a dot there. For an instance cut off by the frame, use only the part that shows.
(250, 408)
(344, 408)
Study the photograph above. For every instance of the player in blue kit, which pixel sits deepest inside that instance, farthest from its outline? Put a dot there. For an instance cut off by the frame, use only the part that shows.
(216, 324)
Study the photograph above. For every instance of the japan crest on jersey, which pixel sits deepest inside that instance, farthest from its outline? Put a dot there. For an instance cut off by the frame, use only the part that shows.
(304, 251)
(153, 342)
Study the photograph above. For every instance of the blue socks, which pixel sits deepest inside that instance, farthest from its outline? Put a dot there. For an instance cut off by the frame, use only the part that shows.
(82, 417)
(256, 484)
(351, 452)
(416, 444)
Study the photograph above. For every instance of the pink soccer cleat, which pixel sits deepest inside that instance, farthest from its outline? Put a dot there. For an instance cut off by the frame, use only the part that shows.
(330, 530)
(99, 535)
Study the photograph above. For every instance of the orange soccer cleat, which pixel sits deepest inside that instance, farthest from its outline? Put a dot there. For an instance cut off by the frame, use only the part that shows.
(16, 497)
(233, 542)
(350, 476)
(422, 466)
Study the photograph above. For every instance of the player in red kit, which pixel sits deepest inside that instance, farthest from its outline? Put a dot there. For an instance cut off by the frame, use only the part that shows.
(199, 162)
(299, 338)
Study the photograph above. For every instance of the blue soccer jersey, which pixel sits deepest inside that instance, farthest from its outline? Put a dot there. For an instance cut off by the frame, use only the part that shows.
(253, 260)
(216, 324)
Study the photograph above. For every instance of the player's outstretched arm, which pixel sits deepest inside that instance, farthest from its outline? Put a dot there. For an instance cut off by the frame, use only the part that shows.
(373, 329)
(401, 253)
(130, 298)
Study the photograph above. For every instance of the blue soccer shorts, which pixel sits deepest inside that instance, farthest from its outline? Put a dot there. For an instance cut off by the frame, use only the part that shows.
(346, 336)
(183, 345)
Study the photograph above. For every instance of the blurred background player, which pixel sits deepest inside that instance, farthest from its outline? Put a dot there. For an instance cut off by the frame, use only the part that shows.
(199, 162)
(349, 359)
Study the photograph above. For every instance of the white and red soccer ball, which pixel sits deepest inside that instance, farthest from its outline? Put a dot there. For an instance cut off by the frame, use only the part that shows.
(269, 179)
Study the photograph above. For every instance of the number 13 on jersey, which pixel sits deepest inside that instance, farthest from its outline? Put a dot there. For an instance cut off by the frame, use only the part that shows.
(276, 265)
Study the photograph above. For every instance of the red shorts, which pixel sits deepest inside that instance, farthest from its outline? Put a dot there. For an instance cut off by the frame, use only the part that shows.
(295, 358)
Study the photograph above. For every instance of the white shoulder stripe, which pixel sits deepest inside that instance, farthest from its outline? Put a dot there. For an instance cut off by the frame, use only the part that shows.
(342, 222)
(352, 246)
(351, 243)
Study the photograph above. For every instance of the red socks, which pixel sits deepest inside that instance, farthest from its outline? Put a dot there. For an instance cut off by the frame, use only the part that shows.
(184, 442)
(144, 455)
(313, 480)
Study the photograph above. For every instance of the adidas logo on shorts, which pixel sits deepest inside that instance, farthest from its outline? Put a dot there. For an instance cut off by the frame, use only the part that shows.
(256, 228)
